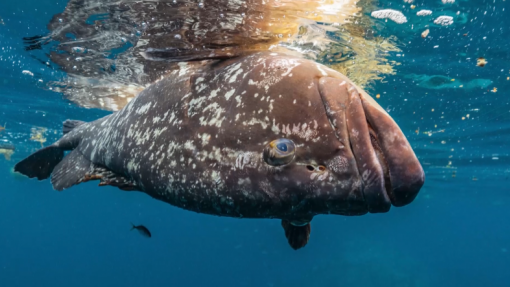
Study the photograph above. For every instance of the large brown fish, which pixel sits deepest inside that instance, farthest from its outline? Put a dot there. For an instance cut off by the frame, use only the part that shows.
(258, 136)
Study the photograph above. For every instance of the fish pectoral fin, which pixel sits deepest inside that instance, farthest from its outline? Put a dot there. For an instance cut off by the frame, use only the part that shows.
(297, 236)
(73, 169)
(76, 168)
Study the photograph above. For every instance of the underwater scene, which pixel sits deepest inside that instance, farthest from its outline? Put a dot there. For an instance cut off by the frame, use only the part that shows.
(255, 143)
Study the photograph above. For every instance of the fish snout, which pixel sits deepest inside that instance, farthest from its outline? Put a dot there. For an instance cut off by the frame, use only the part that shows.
(405, 172)
(387, 166)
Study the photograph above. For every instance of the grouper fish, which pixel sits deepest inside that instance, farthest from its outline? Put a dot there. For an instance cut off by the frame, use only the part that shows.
(262, 135)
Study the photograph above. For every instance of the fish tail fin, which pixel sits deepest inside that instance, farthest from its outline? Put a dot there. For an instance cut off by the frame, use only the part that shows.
(41, 163)
(297, 236)
(132, 226)
(69, 125)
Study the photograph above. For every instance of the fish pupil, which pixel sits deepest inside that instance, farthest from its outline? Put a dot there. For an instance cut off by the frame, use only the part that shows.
(282, 147)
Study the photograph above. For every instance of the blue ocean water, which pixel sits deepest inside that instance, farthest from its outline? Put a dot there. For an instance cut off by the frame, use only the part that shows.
(456, 232)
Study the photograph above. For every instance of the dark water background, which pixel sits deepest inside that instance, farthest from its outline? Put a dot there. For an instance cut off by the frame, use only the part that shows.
(456, 232)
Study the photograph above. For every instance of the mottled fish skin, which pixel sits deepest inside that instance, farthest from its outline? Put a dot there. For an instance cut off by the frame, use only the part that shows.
(195, 138)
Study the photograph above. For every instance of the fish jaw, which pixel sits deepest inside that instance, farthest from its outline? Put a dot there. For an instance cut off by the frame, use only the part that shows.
(405, 171)
(390, 172)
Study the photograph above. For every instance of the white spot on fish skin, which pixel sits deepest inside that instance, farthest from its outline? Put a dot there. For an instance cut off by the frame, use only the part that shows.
(199, 80)
(294, 102)
(275, 127)
(234, 77)
(183, 68)
(214, 93)
(189, 145)
(143, 109)
(255, 121)
(323, 176)
(229, 94)
(205, 138)
(237, 117)
(256, 95)
(215, 118)
(238, 100)
(355, 133)
(290, 68)
(310, 86)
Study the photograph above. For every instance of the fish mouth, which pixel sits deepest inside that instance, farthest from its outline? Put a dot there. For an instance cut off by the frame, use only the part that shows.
(387, 166)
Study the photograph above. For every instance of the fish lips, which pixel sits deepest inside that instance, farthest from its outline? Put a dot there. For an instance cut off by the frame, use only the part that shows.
(386, 163)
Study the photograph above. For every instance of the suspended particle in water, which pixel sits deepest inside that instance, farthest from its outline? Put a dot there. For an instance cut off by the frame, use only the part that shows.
(27, 72)
(425, 33)
(412, 6)
(378, 96)
(494, 90)
(480, 62)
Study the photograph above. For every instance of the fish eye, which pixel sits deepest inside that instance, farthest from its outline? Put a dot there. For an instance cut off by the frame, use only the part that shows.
(279, 152)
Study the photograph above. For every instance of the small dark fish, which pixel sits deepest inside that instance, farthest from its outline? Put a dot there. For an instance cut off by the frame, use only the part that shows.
(142, 229)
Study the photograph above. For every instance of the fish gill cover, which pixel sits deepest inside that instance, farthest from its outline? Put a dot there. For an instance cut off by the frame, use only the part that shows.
(111, 50)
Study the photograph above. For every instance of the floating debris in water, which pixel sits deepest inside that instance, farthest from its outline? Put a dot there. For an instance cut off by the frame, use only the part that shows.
(494, 90)
(37, 134)
(27, 72)
(480, 62)
(448, 1)
(412, 6)
(425, 33)
(423, 13)
(7, 150)
(142, 230)
(444, 20)
(394, 15)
